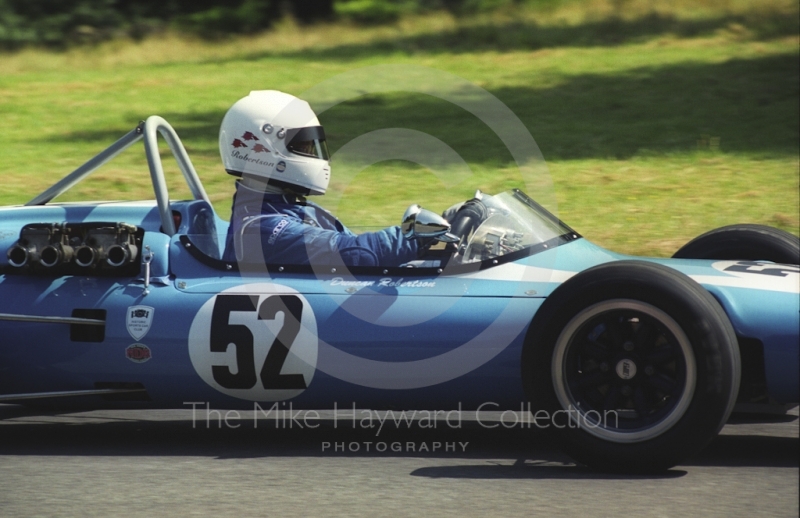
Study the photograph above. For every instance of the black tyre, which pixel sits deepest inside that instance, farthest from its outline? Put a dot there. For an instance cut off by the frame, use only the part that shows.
(745, 242)
(632, 365)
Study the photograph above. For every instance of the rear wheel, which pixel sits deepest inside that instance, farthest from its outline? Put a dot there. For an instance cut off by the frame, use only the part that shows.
(634, 365)
(745, 242)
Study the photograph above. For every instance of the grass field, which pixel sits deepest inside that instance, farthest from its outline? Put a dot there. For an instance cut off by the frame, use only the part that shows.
(655, 123)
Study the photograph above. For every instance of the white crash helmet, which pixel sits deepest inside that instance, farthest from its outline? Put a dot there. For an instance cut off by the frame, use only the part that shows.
(276, 138)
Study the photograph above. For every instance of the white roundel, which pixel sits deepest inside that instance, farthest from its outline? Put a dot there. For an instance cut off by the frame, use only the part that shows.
(257, 342)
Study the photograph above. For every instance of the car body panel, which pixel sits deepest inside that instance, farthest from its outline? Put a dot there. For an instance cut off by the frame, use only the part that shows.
(401, 339)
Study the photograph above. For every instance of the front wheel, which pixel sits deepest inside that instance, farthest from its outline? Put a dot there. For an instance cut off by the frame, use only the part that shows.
(743, 242)
(635, 365)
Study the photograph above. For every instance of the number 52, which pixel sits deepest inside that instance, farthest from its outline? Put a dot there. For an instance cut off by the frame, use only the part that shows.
(225, 334)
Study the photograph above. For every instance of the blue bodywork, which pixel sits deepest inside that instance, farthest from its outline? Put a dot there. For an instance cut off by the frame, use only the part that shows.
(374, 338)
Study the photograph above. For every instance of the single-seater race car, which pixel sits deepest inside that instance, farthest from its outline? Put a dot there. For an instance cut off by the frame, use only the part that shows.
(633, 363)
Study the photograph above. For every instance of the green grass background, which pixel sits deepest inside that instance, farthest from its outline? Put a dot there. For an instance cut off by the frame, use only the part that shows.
(656, 122)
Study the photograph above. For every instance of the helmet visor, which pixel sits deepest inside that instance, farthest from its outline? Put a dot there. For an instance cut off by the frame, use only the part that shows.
(308, 142)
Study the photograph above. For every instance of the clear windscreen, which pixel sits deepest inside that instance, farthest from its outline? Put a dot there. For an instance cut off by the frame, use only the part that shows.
(513, 222)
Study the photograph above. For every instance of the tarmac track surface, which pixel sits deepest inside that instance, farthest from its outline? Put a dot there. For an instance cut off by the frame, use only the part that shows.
(167, 463)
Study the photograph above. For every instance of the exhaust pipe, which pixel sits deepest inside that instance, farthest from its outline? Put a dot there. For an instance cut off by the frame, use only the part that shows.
(119, 255)
(85, 256)
(54, 254)
(42, 243)
(89, 245)
(18, 255)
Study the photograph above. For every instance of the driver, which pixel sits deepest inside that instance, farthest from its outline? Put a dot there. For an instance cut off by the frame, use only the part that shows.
(274, 144)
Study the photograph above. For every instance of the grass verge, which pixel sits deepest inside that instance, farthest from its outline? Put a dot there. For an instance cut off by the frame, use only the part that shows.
(656, 124)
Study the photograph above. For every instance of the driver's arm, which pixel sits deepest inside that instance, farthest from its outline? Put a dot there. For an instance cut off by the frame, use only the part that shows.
(289, 240)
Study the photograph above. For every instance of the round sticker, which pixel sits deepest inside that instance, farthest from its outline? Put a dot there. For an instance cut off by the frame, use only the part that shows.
(138, 353)
(257, 342)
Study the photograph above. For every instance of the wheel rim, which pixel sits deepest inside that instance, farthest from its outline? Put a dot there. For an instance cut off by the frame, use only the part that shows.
(623, 370)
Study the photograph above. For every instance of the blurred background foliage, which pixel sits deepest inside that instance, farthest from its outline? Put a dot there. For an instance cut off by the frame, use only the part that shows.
(59, 23)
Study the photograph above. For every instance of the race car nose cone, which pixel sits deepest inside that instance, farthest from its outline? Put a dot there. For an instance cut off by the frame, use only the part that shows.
(626, 369)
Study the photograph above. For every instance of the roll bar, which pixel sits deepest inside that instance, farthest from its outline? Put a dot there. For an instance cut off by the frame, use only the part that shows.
(148, 130)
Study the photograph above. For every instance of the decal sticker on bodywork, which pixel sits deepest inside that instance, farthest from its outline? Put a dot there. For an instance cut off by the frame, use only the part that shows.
(138, 321)
(138, 353)
(757, 275)
(257, 342)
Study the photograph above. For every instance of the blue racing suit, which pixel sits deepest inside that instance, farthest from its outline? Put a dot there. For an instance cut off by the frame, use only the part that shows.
(283, 229)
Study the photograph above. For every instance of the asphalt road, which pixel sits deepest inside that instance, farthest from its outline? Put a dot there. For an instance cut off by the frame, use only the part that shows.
(159, 463)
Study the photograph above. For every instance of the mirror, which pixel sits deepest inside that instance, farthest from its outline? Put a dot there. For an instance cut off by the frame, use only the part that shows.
(419, 223)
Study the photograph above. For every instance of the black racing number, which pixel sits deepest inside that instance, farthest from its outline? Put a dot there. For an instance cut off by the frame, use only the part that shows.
(223, 334)
(775, 270)
(292, 309)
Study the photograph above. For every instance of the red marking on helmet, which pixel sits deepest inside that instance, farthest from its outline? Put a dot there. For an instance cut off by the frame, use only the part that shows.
(249, 136)
(258, 148)
(238, 143)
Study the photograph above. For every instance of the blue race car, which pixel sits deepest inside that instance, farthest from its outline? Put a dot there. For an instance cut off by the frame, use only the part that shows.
(634, 363)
